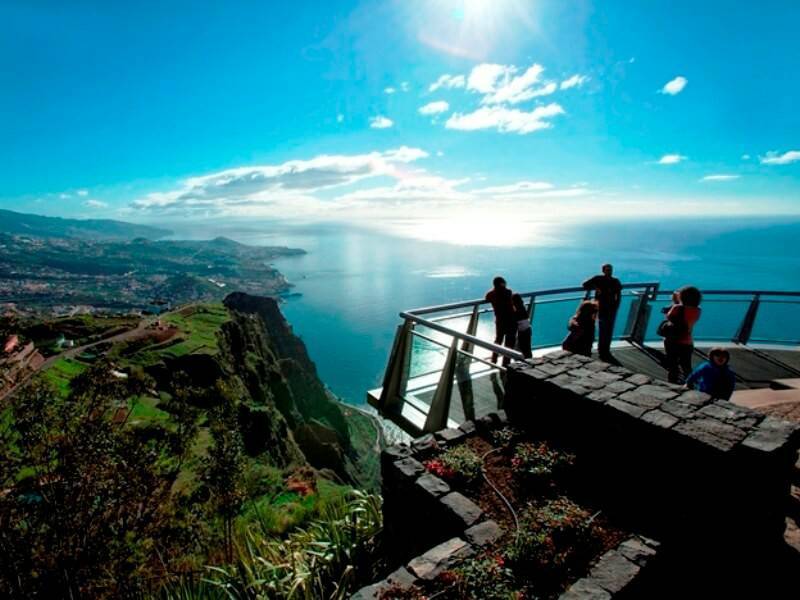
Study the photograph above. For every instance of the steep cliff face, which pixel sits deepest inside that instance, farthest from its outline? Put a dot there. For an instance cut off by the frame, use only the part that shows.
(286, 411)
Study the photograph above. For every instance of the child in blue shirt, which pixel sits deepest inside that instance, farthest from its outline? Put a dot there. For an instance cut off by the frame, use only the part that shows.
(714, 377)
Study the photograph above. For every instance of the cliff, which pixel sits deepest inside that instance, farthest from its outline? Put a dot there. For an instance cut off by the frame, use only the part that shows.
(285, 413)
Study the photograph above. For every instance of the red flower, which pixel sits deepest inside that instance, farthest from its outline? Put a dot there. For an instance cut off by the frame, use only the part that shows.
(500, 561)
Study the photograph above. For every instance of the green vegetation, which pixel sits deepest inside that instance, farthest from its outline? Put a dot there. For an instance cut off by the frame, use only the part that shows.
(190, 476)
(198, 325)
(61, 372)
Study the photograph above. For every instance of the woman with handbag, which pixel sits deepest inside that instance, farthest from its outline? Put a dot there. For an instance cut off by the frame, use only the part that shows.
(677, 332)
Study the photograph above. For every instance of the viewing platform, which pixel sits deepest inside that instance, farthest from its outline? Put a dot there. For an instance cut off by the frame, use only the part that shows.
(440, 373)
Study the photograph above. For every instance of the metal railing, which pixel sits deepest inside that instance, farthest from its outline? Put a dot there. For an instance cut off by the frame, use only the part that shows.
(439, 347)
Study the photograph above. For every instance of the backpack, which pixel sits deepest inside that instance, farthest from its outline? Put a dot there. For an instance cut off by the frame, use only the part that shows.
(672, 329)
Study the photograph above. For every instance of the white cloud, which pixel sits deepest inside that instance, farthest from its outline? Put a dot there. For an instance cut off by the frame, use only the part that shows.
(484, 78)
(340, 118)
(774, 158)
(439, 153)
(574, 81)
(515, 89)
(389, 90)
(404, 85)
(95, 204)
(83, 193)
(434, 108)
(448, 81)
(745, 157)
(518, 187)
(380, 122)
(239, 190)
(505, 120)
(720, 177)
(671, 159)
(64, 196)
(675, 86)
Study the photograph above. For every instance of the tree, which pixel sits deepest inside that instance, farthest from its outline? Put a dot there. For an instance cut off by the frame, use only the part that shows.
(225, 464)
(84, 503)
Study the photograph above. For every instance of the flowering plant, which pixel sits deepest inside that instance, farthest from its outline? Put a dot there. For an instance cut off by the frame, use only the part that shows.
(459, 464)
(538, 460)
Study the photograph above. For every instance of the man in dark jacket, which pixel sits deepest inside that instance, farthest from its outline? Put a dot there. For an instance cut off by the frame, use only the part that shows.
(505, 324)
(607, 292)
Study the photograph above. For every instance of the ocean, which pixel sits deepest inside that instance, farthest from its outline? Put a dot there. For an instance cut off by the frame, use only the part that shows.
(353, 282)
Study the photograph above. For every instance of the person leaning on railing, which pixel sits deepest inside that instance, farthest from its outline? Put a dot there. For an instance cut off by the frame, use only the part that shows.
(608, 294)
(505, 325)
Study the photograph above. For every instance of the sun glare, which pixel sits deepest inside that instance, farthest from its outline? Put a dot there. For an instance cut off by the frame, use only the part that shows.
(471, 28)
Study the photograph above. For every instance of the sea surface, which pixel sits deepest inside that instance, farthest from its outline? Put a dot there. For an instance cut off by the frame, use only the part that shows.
(353, 282)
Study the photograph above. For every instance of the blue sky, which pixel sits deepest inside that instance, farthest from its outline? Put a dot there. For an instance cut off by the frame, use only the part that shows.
(550, 110)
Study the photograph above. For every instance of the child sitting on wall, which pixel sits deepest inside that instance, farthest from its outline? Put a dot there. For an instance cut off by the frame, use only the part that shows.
(714, 377)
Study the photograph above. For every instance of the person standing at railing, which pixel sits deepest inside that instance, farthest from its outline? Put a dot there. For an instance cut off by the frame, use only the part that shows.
(677, 332)
(524, 330)
(607, 293)
(505, 325)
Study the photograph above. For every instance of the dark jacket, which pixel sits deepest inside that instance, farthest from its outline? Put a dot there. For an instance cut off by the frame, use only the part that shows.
(581, 336)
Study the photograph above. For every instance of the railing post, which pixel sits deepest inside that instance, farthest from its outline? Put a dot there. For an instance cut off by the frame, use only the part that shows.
(531, 313)
(396, 370)
(746, 328)
(472, 329)
(440, 404)
(640, 316)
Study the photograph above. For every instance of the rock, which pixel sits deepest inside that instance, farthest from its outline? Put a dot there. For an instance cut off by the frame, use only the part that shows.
(432, 485)
(462, 508)
(401, 577)
(607, 377)
(620, 387)
(424, 446)
(642, 399)
(408, 467)
(679, 409)
(704, 430)
(639, 379)
(585, 589)
(634, 549)
(449, 436)
(631, 409)
(468, 427)
(393, 453)
(483, 534)
(601, 395)
(439, 558)
(613, 572)
(771, 434)
(695, 398)
(659, 418)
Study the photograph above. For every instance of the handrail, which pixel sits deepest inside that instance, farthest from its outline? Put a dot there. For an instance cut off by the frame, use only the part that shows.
(737, 293)
(479, 301)
(459, 344)
(464, 337)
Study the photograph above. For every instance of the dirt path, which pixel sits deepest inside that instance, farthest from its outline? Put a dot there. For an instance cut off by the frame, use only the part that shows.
(137, 331)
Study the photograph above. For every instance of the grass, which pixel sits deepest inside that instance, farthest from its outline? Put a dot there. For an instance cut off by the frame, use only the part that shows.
(61, 372)
(146, 409)
(198, 327)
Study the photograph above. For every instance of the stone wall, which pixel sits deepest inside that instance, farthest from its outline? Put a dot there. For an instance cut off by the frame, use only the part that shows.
(429, 528)
(710, 479)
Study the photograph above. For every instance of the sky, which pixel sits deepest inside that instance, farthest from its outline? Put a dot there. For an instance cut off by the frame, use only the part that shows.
(449, 117)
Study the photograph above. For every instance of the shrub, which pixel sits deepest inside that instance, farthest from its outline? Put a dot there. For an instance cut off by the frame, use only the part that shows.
(460, 465)
(537, 461)
(554, 538)
(485, 578)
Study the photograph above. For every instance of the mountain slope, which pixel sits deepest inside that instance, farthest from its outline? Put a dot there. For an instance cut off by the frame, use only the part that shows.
(95, 229)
